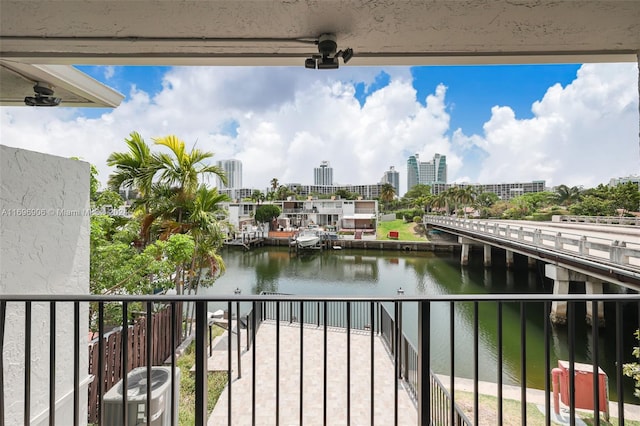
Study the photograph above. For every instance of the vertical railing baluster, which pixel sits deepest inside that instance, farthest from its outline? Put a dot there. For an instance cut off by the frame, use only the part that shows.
(174, 383)
(301, 421)
(76, 363)
(475, 364)
(396, 360)
(27, 363)
(52, 363)
(253, 362)
(371, 390)
(149, 332)
(424, 363)
(596, 375)
(523, 362)
(452, 360)
(547, 363)
(277, 363)
(500, 416)
(238, 340)
(124, 340)
(229, 369)
(201, 376)
(324, 368)
(348, 363)
(619, 362)
(572, 356)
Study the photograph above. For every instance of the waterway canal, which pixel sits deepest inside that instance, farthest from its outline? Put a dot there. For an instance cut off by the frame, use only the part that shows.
(381, 273)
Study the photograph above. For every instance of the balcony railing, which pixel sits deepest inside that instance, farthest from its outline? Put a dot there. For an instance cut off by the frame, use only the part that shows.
(375, 318)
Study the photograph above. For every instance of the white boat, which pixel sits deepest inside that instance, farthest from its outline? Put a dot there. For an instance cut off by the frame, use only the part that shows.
(308, 238)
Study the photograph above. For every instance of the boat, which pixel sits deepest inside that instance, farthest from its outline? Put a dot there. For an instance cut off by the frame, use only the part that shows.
(307, 238)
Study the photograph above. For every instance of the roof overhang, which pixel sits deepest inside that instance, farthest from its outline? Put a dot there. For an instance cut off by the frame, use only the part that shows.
(75, 88)
(281, 32)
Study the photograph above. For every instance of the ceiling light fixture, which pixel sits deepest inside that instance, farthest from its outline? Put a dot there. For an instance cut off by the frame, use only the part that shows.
(328, 54)
(43, 96)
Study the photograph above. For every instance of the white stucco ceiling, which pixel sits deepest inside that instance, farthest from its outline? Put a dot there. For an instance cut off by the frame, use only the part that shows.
(281, 32)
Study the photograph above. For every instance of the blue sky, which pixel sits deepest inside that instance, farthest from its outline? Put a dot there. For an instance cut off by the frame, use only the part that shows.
(574, 124)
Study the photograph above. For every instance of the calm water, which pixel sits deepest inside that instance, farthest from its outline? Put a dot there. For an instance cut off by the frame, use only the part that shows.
(379, 273)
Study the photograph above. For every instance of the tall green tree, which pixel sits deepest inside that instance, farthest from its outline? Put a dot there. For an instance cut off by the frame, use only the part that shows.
(387, 194)
(132, 167)
(567, 195)
(266, 213)
(419, 190)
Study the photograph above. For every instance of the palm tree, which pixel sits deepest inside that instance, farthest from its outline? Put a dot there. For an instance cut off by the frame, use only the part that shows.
(132, 168)
(567, 196)
(183, 169)
(274, 184)
(387, 194)
(441, 200)
(257, 196)
(464, 196)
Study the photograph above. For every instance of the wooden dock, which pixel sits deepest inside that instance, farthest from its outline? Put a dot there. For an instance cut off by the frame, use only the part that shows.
(247, 240)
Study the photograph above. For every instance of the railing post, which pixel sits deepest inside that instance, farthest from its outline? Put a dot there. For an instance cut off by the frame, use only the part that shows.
(201, 385)
(582, 245)
(558, 241)
(424, 364)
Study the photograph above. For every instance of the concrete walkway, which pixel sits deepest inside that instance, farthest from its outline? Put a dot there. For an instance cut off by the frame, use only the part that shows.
(312, 380)
(336, 381)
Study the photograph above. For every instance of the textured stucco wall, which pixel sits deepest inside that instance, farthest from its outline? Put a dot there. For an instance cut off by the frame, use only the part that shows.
(44, 249)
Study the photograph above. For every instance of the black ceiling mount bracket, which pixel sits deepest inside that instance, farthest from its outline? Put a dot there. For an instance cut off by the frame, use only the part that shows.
(43, 96)
(328, 54)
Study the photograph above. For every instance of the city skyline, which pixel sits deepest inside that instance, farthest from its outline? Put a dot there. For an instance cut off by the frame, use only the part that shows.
(493, 123)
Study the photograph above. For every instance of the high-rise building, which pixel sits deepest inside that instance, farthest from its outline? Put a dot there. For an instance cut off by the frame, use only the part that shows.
(323, 175)
(413, 171)
(233, 170)
(392, 177)
(426, 173)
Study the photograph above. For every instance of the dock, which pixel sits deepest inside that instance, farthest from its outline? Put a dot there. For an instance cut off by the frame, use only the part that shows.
(246, 239)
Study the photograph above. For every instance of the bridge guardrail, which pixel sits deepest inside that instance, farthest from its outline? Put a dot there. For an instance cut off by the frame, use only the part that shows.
(602, 220)
(622, 253)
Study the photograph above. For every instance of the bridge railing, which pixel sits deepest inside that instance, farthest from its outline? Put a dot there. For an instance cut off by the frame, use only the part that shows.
(606, 220)
(614, 251)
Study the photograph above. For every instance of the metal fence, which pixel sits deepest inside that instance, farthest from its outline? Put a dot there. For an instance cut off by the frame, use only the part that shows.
(367, 315)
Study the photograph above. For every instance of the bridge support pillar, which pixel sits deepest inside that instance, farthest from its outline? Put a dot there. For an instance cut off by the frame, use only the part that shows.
(594, 287)
(487, 255)
(509, 257)
(464, 254)
(560, 277)
(532, 262)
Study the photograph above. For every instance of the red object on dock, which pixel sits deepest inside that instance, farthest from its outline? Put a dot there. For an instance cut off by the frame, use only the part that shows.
(394, 234)
(583, 388)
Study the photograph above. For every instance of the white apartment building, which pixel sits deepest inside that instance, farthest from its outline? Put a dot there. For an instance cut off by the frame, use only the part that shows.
(233, 170)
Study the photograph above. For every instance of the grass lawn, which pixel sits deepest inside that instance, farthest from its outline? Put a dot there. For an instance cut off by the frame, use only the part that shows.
(406, 231)
(217, 382)
(511, 412)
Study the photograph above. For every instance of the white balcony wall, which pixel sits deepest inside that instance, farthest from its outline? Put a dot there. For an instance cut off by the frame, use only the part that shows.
(44, 249)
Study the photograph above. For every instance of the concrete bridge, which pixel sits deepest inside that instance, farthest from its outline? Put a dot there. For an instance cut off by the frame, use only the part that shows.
(573, 250)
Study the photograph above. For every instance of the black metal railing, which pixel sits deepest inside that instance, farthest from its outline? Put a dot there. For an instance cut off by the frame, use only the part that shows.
(25, 316)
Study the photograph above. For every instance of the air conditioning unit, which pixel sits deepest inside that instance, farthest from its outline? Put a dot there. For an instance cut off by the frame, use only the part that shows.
(160, 401)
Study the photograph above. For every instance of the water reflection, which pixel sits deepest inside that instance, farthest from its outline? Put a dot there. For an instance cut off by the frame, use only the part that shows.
(370, 273)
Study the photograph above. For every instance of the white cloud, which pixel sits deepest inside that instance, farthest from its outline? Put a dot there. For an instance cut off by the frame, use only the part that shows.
(289, 120)
(582, 134)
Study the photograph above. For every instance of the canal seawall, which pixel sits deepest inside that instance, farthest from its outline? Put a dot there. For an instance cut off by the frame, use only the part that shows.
(437, 246)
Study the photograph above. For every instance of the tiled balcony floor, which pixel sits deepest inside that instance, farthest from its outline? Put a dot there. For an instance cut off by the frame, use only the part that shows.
(312, 380)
